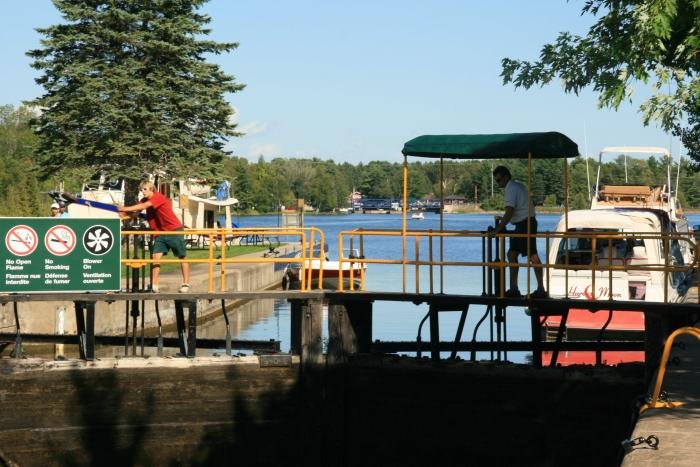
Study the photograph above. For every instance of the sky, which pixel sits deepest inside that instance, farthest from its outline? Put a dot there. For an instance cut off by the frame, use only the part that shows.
(351, 81)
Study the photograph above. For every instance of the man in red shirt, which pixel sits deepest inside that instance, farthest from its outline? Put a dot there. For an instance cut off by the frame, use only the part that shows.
(161, 217)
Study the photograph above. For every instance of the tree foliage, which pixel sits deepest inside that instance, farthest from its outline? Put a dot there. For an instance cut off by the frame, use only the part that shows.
(128, 89)
(326, 185)
(19, 186)
(655, 42)
(262, 186)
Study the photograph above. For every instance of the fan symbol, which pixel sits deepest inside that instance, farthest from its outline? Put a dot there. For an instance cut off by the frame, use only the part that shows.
(98, 240)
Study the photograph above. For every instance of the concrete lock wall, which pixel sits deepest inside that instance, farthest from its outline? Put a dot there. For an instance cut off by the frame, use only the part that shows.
(371, 411)
(54, 317)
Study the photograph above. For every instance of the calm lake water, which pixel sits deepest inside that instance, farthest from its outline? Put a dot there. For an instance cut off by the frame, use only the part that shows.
(399, 321)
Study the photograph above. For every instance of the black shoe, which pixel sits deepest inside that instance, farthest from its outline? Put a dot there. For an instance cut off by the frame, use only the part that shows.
(513, 293)
(539, 293)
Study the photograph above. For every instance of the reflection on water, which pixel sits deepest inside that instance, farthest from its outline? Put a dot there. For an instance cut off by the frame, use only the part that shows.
(271, 325)
(241, 318)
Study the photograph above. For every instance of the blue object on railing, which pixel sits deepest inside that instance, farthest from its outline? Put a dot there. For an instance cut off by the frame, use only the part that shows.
(223, 191)
(221, 222)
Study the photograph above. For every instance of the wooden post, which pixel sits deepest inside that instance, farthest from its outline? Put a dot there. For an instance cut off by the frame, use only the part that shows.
(349, 329)
(295, 324)
(80, 327)
(311, 329)
(180, 320)
(192, 329)
(655, 336)
(18, 335)
(89, 330)
(434, 332)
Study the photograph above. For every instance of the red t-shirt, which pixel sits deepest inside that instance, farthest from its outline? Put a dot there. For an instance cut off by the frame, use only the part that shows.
(160, 216)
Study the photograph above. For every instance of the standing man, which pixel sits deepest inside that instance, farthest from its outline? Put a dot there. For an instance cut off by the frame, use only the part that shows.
(517, 201)
(63, 210)
(161, 217)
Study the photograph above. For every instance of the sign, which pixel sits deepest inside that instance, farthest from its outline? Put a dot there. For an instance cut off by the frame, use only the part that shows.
(60, 255)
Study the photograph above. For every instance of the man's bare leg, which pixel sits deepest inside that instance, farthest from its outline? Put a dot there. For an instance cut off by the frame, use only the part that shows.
(185, 272)
(155, 269)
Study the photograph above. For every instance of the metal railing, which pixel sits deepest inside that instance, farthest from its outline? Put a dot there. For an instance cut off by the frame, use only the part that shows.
(217, 242)
(494, 260)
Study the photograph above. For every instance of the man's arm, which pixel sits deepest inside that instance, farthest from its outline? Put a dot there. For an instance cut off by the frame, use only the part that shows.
(505, 219)
(136, 207)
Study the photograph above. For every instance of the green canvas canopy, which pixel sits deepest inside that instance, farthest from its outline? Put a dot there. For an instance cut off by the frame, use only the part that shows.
(545, 145)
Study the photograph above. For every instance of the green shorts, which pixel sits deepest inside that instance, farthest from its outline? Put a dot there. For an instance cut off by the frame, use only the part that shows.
(176, 243)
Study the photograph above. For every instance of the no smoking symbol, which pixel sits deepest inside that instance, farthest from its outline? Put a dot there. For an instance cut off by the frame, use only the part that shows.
(60, 240)
(98, 240)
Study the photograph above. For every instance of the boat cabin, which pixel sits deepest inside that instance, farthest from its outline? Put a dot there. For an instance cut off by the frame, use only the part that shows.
(597, 261)
(200, 206)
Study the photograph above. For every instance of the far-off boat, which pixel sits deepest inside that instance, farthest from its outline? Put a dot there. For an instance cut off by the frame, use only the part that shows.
(631, 245)
(197, 203)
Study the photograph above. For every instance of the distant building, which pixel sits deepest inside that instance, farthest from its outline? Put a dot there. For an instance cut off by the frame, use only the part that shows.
(354, 198)
(455, 200)
(454, 203)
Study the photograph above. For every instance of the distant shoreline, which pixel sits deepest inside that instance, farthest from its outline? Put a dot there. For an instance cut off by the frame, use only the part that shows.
(539, 210)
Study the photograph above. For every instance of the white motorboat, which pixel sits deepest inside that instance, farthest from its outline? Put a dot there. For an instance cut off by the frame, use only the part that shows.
(631, 245)
(327, 271)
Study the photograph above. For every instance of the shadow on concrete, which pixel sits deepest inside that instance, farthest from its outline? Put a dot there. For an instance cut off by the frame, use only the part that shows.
(423, 414)
(370, 411)
(114, 422)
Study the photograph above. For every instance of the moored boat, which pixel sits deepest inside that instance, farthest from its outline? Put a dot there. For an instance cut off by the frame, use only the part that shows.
(326, 273)
(197, 203)
(632, 245)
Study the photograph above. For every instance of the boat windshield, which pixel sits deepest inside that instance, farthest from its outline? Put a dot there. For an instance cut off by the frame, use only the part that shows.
(579, 249)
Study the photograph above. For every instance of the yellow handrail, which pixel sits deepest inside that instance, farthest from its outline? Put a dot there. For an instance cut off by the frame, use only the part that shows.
(305, 235)
(654, 403)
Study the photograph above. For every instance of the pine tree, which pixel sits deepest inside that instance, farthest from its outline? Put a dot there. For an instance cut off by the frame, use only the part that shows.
(128, 90)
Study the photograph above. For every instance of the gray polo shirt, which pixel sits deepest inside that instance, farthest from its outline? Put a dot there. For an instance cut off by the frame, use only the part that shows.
(516, 197)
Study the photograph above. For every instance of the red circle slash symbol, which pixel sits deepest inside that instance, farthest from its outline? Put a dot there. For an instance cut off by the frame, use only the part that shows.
(60, 240)
(21, 240)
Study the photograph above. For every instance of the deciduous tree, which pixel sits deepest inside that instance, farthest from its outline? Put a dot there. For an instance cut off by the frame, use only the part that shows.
(655, 42)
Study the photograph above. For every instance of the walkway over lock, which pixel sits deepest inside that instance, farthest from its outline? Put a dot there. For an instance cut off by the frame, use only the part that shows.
(349, 323)
(424, 253)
